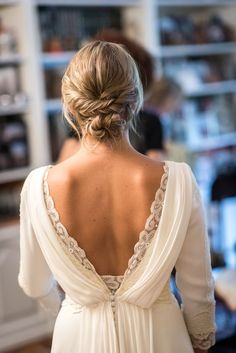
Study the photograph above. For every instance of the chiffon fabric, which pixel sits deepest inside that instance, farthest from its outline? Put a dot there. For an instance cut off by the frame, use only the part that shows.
(137, 312)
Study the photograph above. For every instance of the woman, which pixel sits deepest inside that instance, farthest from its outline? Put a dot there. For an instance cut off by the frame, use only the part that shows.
(163, 99)
(80, 222)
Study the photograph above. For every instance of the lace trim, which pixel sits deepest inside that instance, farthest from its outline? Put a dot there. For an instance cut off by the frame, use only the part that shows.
(61, 231)
(204, 340)
(200, 327)
(112, 282)
(133, 276)
(152, 223)
(145, 236)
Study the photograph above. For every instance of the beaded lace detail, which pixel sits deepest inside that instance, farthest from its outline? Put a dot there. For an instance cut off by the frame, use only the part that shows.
(201, 327)
(203, 341)
(145, 237)
(112, 282)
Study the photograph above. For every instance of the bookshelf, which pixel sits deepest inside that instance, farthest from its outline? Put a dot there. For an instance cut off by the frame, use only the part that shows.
(200, 11)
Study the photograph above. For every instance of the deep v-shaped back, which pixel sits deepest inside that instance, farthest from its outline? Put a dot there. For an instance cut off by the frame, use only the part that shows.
(142, 313)
(76, 253)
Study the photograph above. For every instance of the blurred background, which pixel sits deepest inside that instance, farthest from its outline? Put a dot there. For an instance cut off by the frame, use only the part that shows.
(193, 43)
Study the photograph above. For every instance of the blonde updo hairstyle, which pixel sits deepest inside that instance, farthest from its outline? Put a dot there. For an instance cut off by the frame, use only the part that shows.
(101, 91)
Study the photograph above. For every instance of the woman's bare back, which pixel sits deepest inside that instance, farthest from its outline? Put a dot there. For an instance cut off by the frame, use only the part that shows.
(104, 201)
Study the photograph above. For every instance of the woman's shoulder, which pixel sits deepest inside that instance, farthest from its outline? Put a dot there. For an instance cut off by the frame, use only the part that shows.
(150, 167)
(58, 170)
(38, 171)
(179, 165)
(169, 164)
(34, 176)
(183, 171)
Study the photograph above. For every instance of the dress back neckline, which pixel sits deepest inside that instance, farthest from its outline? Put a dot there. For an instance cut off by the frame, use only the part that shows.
(76, 253)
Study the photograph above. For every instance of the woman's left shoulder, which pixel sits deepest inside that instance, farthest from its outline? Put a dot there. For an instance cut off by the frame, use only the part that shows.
(184, 169)
(179, 165)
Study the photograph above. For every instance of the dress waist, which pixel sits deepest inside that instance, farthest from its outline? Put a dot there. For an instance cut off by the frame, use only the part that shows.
(166, 297)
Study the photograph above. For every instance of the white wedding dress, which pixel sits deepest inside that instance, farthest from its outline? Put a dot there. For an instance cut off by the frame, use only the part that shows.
(136, 312)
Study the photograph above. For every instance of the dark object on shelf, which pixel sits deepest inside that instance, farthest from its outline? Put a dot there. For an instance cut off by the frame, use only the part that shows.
(13, 143)
(213, 31)
(8, 42)
(9, 80)
(177, 30)
(192, 73)
(66, 28)
(218, 31)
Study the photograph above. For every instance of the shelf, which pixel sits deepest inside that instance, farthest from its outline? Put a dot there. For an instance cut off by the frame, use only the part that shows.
(11, 59)
(208, 89)
(196, 49)
(14, 109)
(8, 2)
(167, 3)
(12, 175)
(53, 105)
(213, 143)
(51, 60)
(87, 3)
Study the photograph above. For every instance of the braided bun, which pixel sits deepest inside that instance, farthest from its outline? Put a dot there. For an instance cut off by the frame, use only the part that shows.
(101, 91)
(105, 128)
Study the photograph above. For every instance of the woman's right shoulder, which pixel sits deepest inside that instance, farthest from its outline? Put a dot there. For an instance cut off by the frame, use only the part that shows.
(33, 175)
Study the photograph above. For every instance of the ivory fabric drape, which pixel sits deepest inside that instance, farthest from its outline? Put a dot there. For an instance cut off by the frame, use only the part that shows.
(143, 315)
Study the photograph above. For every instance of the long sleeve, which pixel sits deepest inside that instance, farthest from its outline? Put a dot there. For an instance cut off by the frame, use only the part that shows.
(194, 278)
(35, 277)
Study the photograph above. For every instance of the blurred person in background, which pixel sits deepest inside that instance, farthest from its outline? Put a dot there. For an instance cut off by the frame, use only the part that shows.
(148, 137)
(164, 99)
(165, 96)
